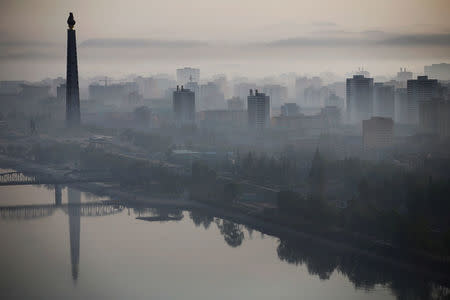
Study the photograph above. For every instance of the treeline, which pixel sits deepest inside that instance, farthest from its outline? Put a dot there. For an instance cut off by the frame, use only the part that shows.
(280, 170)
(205, 187)
(149, 142)
(406, 208)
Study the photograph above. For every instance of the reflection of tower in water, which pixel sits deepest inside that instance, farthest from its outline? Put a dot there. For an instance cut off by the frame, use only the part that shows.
(74, 199)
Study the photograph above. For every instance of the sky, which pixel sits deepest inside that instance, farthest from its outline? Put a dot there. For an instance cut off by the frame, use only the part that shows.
(245, 37)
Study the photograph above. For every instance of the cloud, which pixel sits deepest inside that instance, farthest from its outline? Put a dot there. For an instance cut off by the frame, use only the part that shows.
(418, 40)
(24, 43)
(140, 43)
(366, 38)
(29, 55)
(324, 24)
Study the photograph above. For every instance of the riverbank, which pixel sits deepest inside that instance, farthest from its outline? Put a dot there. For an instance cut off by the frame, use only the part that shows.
(265, 223)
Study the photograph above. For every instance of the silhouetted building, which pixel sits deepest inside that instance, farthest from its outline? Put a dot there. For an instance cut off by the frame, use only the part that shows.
(331, 116)
(301, 124)
(241, 89)
(334, 100)
(438, 71)
(383, 100)
(359, 98)
(210, 97)
(362, 72)
(61, 93)
(184, 106)
(258, 108)
(119, 93)
(435, 117)
(194, 87)
(290, 109)
(185, 75)
(419, 90)
(34, 92)
(235, 104)
(11, 87)
(403, 76)
(401, 106)
(222, 118)
(72, 91)
(377, 132)
(154, 87)
(444, 118)
(277, 93)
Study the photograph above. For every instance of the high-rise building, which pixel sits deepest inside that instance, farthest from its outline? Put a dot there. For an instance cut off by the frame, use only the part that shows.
(444, 118)
(335, 100)
(363, 72)
(377, 133)
(383, 100)
(258, 109)
(359, 98)
(235, 104)
(401, 106)
(290, 109)
(61, 93)
(435, 117)
(72, 91)
(210, 97)
(241, 89)
(34, 92)
(403, 76)
(11, 87)
(419, 90)
(438, 71)
(184, 106)
(185, 75)
(277, 93)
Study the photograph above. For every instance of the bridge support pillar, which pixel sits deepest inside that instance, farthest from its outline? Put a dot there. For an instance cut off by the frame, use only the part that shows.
(58, 195)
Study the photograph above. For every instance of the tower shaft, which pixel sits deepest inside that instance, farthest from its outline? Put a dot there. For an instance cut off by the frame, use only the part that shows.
(72, 90)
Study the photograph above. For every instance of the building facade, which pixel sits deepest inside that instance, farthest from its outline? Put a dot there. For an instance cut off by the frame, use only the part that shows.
(359, 92)
(184, 106)
(438, 71)
(258, 109)
(383, 100)
(377, 133)
(420, 90)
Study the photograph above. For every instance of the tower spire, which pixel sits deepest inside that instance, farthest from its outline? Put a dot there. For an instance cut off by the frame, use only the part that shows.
(71, 21)
(72, 90)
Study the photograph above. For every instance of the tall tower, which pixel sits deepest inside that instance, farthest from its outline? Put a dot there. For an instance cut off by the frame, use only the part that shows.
(72, 91)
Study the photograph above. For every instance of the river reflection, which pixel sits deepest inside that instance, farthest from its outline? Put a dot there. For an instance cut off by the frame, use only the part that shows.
(165, 253)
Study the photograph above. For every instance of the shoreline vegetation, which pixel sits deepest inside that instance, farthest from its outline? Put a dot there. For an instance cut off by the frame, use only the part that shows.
(267, 221)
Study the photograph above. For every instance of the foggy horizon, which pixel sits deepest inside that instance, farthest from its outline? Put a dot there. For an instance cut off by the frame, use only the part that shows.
(247, 38)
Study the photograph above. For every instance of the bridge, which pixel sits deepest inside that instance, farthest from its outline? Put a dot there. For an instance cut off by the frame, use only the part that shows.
(76, 176)
(90, 209)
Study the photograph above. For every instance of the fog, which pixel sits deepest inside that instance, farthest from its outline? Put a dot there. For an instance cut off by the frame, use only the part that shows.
(245, 38)
(183, 131)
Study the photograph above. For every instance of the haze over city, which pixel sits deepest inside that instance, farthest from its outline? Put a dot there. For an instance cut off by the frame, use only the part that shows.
(225, 150)
(246, 38)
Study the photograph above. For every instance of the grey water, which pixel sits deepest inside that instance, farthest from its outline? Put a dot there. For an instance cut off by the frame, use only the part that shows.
(67, 244)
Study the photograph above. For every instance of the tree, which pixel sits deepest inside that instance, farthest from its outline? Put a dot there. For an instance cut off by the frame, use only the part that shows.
(317, 176)
(230, 192)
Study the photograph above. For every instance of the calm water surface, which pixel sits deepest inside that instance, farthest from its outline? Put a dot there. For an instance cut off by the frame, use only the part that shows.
(90, 250)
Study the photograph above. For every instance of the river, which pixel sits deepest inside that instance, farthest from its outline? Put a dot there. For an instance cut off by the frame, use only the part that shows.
(91, 249)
